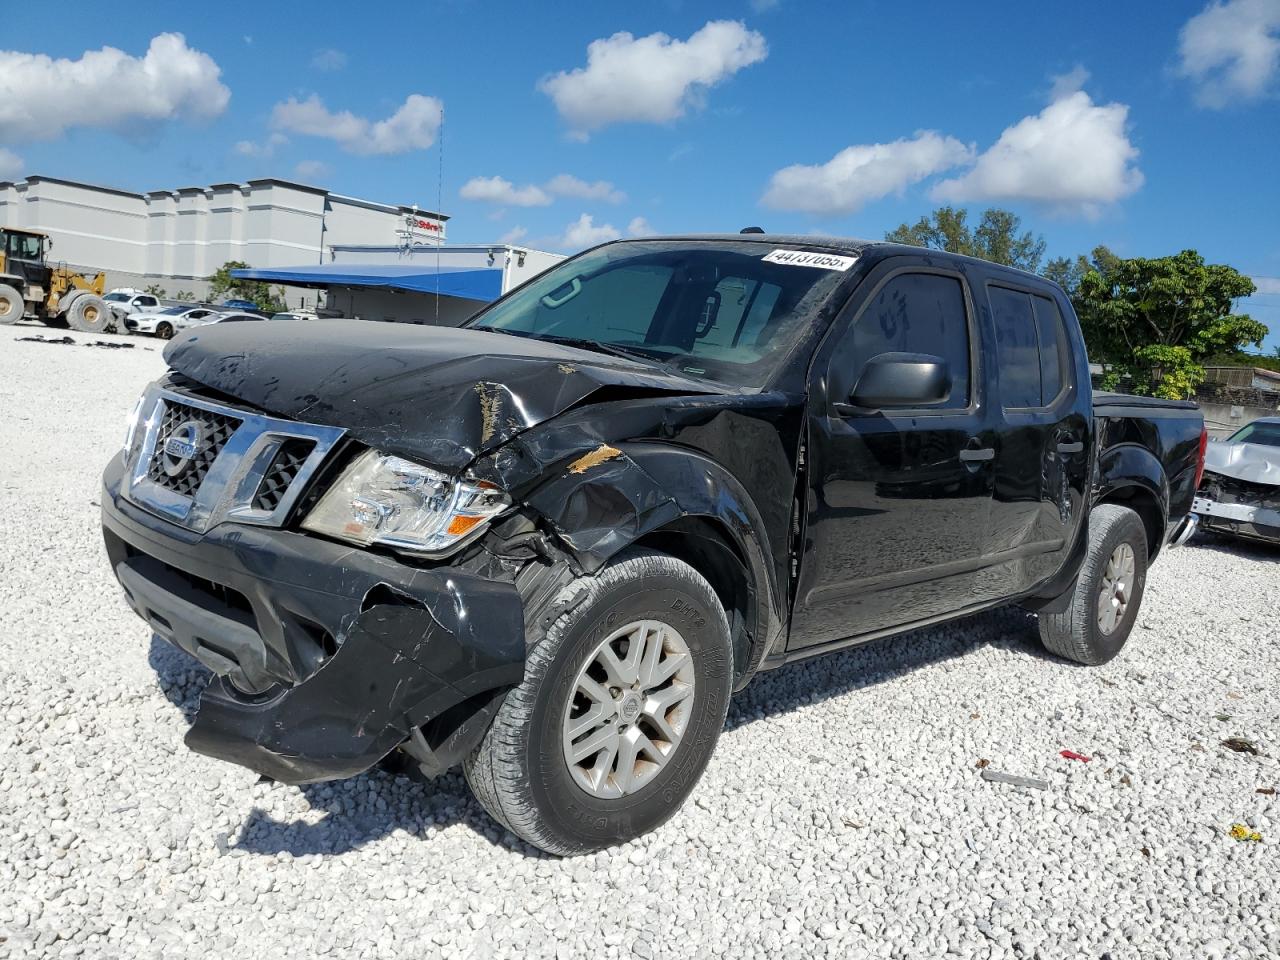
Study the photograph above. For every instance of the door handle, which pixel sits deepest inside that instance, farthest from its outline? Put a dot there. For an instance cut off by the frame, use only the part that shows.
(976, 456)
(1075, 446)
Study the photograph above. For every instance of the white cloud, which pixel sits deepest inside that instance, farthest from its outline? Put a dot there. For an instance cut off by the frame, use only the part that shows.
(640, 227)
(1073, 155)
(328, 59)
(251, 148)
(1065, 84)
(1231, 51)
(514, 235)
(567, 185)
(10, 165)
(311, 170)
(584, 233)
(412, 127)
(859, 174)
(501, 190)
(40, 97)
(651, 79)
(1267, 286)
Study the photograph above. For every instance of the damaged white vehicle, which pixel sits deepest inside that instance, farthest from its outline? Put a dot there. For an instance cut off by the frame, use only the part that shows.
(1240, 492)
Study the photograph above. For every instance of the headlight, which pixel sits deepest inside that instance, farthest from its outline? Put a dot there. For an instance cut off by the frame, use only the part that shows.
(403, 505)
(131, 425)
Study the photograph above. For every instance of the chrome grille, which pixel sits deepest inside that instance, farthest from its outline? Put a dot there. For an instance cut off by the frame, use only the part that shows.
(282, 472)
(197, 462)
(212, 431)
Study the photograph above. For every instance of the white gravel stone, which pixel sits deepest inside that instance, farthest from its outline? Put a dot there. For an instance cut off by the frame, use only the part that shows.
(842, 814)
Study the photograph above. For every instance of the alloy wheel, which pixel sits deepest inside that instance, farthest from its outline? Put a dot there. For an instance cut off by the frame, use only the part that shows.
(628, 709)
(1117, 587)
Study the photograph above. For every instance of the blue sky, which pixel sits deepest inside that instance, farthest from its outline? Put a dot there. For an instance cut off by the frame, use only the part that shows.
(1147, 127)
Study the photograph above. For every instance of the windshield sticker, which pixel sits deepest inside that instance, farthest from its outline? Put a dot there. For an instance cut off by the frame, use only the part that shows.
(800, 258)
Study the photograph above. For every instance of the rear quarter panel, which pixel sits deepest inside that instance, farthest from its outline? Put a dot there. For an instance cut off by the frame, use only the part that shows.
(1152, 445)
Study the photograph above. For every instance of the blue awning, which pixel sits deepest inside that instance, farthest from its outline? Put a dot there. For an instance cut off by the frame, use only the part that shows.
(479, 284)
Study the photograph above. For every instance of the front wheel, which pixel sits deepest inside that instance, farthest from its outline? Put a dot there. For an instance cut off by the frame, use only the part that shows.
(1108, 590)
(89, 314)
(620, 708)
(11, 305)
(164, 330)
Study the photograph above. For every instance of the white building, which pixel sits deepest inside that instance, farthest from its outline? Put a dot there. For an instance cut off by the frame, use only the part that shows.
(177, 238)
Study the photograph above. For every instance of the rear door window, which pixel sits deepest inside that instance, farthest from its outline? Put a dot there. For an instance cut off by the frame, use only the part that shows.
(1031, 343)
(1053, 347)
(1017, 347)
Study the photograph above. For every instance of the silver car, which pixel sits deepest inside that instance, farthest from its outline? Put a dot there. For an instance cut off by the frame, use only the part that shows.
(1240, 491)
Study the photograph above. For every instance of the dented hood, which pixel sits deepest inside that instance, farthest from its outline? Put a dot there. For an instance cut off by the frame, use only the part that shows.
(441, 395)
(1250, 462)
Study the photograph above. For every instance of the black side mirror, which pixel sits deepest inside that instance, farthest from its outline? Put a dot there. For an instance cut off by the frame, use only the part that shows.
(902, 380)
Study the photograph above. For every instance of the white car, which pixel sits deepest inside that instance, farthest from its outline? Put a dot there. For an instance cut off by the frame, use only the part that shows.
(126, 301)
(219, 316)
(293, 315)
(166, 321)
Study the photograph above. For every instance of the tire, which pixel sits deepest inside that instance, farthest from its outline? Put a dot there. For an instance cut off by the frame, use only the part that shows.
(164, 330)
(1083, 632)
(521, 771)
(11, 306)
(89, 315)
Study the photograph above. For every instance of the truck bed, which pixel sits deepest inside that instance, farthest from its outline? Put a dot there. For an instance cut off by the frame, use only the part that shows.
(1105, 401)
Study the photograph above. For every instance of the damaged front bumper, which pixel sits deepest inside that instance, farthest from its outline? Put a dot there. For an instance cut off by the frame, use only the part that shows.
(327, 657)
(1245, 520)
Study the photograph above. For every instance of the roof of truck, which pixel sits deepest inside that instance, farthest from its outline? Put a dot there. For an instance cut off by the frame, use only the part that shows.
(845, 245)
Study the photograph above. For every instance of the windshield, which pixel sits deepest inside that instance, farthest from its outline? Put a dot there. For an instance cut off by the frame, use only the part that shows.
(116, 297)
(1267, 434)
(174, 311)
(24, 246)
(715, 309)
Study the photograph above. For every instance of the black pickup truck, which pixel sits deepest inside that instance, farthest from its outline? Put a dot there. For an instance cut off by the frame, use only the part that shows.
(550, 544)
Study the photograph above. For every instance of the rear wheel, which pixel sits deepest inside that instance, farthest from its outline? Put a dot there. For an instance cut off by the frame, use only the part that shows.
(620, 708)
(164, 330)
(89, 315)
(11, 305)
(1108, 591)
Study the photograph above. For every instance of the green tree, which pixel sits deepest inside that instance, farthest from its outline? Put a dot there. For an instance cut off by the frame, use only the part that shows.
(156, 291)
(1068, 273)
(996, 238)
(1155, 320)
(185, 296)
(223, 285)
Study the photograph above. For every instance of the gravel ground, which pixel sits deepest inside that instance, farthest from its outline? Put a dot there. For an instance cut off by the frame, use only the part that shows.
(843, 813)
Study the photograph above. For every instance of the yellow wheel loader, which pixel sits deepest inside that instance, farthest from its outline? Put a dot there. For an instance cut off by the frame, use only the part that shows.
(56, 296)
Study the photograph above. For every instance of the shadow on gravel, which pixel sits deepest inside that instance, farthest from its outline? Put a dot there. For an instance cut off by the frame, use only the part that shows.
(365, 809)
(1212, 542)
(799, 685)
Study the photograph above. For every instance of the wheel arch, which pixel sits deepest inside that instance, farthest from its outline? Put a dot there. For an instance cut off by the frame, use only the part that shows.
(1131, 476)
(684, 504)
